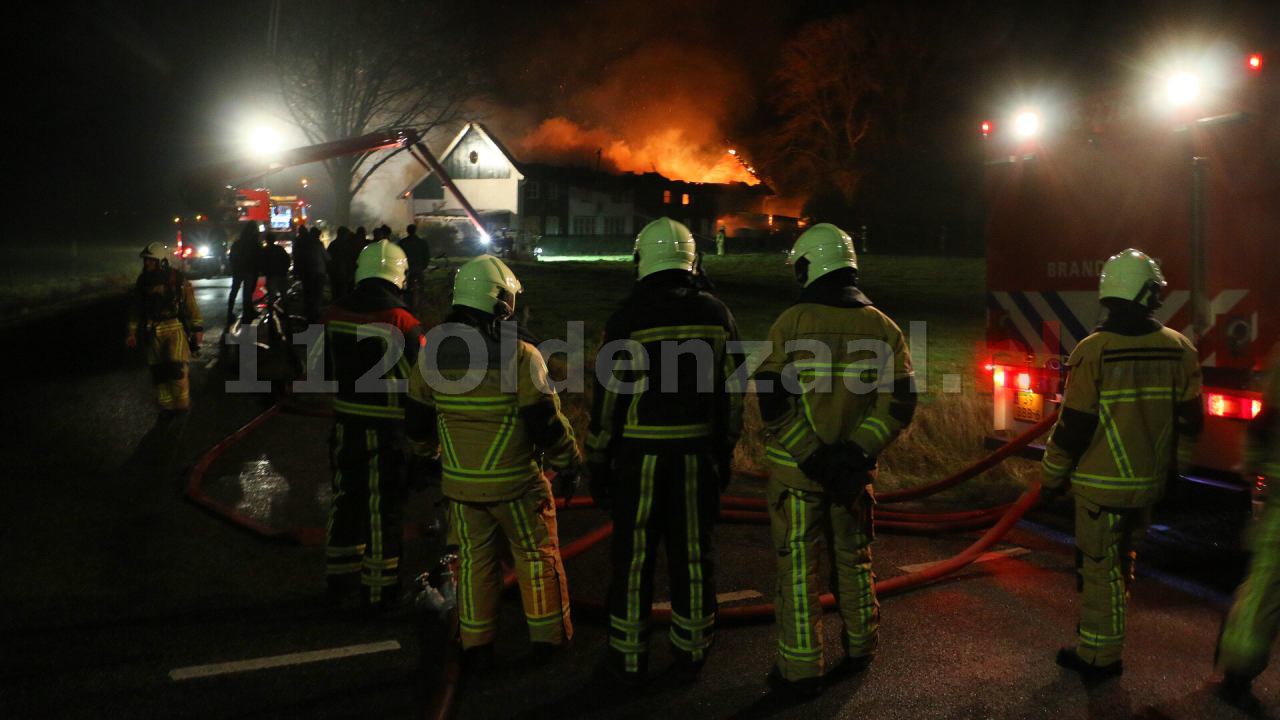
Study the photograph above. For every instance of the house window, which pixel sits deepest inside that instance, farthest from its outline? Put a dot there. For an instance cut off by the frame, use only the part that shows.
(553, 225)
(531, 190)
(553, 191)
(584, 225)
(666, 197)
(615, 226)
(684, 198)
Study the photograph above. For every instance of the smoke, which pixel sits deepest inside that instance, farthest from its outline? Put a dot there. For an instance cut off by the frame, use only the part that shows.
(642, 104)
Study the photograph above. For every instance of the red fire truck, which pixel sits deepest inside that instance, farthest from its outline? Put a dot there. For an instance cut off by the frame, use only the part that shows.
(1193, 180)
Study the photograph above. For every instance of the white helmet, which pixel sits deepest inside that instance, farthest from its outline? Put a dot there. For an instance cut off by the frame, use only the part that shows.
(485, 283)
(823, 248)
(382, 259)
(155, 251)
(1132, 275)
(665, 244)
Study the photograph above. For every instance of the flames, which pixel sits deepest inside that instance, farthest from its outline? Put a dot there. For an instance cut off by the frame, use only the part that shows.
(665, 149)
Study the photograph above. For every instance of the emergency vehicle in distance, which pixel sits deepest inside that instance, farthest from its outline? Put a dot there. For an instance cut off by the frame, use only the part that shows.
(1193, 179)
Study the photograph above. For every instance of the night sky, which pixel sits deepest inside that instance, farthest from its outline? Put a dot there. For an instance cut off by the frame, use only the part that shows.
(118, 101)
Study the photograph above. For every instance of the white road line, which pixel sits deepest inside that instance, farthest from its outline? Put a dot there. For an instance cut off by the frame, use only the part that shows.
(199, 671)
(720, 598)
(985, 557)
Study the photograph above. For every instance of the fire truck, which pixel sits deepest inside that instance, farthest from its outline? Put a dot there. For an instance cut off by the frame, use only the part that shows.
(1192, 177)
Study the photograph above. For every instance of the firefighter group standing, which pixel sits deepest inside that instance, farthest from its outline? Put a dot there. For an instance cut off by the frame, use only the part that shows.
(835, 389)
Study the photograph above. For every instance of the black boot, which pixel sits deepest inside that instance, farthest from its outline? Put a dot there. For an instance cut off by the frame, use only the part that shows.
(803, 689)
(1071, 660)
(477, 659)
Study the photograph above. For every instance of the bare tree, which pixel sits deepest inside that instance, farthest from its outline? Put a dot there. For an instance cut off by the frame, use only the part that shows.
(851, 87)
(350, 68)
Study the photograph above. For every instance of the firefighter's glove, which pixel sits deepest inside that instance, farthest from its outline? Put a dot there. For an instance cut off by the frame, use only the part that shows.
(601, 485)
(424, 471)
(565, 483)
(842, 470)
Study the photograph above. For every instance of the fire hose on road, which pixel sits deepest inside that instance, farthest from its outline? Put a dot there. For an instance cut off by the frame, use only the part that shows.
(1000, 518)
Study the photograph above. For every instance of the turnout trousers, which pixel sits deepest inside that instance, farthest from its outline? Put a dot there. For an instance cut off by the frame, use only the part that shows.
(524, 529)
(1253, 623)
(168, 355)
(799, 521)
(1105, 557)
(672, 497)
(363, 537)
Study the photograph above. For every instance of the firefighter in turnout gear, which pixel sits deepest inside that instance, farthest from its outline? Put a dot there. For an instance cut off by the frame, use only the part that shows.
(663, 432)
(481, 398)
(836, 388)
(1130, 411)
(166, 320)
(1252, 626)
(372, 342)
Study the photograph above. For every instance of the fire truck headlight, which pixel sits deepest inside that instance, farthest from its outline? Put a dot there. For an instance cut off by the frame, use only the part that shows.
(1026, 124)
(1182, 89)
(202, 251)
(485, 239)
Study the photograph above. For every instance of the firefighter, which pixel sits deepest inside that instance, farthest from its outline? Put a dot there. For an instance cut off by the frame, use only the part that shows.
(372, 341)
(1253, 623)
(494, 437)
(1129, 413)
(836, 388)
(166, 320)
(244, 258)
(660, 454)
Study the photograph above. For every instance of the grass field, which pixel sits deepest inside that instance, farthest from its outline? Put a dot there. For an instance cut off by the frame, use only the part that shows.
(945, 294)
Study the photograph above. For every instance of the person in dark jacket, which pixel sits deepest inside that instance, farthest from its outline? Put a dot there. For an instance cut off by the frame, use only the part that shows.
(343, 252)
(309, 262)
(244, 259)
(419, 253)
(275, 266)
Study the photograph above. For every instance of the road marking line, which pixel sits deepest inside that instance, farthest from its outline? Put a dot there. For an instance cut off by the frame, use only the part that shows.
(274, 661)
(985, 557)
(720, 598)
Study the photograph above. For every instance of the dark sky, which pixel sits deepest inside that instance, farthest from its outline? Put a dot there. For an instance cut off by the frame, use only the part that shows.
(116, 100)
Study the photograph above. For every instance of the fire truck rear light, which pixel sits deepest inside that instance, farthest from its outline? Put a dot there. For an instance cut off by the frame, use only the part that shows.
(986, 127)
(1024, 381)
(1232, 406)
(1254, 62)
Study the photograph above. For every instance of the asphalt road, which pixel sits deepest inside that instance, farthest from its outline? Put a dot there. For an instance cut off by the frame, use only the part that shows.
(120, 598)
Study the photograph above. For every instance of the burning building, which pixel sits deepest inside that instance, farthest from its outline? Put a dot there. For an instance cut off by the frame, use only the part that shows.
(577, 208)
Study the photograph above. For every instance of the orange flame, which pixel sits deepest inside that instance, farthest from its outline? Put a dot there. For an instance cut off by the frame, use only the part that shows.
(667, 150)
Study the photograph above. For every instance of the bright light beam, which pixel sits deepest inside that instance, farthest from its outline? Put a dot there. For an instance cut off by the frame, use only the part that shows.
(1182, 89)
(1026, 124)
(265, 142)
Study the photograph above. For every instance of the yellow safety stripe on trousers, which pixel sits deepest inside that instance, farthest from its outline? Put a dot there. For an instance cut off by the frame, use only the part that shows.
(500, 441)
(713, 333)
(685, 623)
(1134, 394)
(375, 516)
(346, 407)
(1111, 482)
(552, 618)
(794, 434)
(1054, 468)
(693, 551)
(626, 626)
(469, 625)
(498, 475)
(384, 564)
(344, 550)
(639, 541)
(780, 457)
(466, 557)
(1114, 441)
(801, 655)
(529, 546)
(474, 403)
(801, 623)
(347, 568)
(666, 432)
(631, 650)
(1096, 640)
(695, 647)
(1240, 636)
